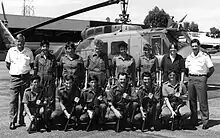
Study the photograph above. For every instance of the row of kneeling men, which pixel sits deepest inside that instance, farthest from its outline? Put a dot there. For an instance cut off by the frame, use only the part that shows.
(144, 106)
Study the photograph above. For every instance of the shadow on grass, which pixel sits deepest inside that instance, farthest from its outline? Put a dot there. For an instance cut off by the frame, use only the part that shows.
(213, 123)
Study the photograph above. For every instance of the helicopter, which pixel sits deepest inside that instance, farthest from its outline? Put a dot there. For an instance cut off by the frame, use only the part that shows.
(7, 38)
(135, 36)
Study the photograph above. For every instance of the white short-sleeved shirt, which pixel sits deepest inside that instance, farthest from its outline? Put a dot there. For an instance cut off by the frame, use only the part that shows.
(199, 64)
(20, 61)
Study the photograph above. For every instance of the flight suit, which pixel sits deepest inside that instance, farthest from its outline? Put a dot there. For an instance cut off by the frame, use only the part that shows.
(146, 64)
(45, 67)
(72, 66)
(124, 64)
(151, 106)
(98, 65)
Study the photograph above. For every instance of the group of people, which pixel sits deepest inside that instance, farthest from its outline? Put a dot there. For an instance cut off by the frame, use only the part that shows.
(103, 89)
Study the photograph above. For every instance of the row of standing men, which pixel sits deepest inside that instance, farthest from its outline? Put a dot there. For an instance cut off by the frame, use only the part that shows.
(20, 60)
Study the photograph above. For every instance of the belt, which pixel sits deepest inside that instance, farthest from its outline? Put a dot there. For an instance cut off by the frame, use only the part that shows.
(21, 75)
(198, 75)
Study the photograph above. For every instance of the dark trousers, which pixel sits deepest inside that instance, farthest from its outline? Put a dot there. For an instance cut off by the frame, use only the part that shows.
(152, 115)
(48, 83)
(127, 111)
(16, 107)
(198, 87)
(59, 117)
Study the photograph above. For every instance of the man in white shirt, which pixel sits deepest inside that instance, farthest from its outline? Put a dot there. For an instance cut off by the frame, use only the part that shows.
(19, 61)
(200, 68)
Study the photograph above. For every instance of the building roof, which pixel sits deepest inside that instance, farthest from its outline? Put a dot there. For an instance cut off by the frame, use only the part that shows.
(19, 21)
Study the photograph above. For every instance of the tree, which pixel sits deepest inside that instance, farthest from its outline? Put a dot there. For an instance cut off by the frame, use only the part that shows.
(214, 32)
(193, 27)
(156, 18)
(186, 26)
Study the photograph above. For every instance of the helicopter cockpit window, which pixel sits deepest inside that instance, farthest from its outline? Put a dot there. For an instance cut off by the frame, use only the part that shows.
(115, 48)
(108, 29)
(90, 32)
(156, 44)
(98, 30)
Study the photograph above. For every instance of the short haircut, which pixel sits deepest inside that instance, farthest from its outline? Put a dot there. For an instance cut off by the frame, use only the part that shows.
(170, 71)
(93, 78)
(146, 74)
(20, 37)
(195, 41)
(68, 77)
(70, 44)
(123, 44)
(122, 74)
(147, 47)
(45, 42)
(173, 45)
(35, 77)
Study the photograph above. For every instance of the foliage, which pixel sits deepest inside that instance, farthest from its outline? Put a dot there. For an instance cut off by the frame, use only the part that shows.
(193, 27)
(214, 32)
(186, 26)
(156, 18)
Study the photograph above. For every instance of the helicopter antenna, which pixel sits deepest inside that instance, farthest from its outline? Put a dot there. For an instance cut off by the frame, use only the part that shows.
(124, 17)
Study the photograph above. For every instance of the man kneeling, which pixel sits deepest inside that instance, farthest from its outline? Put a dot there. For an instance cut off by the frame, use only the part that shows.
(149, 103)
(35, 106)
(67, 98)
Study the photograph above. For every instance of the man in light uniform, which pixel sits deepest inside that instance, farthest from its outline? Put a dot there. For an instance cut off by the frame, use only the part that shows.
(19, 61)
(200, 68)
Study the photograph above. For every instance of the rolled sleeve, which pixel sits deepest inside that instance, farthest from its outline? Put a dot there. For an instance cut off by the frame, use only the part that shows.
(164, 91)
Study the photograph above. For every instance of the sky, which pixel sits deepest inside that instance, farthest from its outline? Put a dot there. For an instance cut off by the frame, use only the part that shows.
(203, 12)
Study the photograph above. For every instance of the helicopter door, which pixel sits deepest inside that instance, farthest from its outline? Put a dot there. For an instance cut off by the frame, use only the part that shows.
(105, 48)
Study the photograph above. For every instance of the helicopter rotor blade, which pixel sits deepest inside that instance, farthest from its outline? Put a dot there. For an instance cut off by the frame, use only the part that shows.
(182, 19)
(3, 10)
(103, 4)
